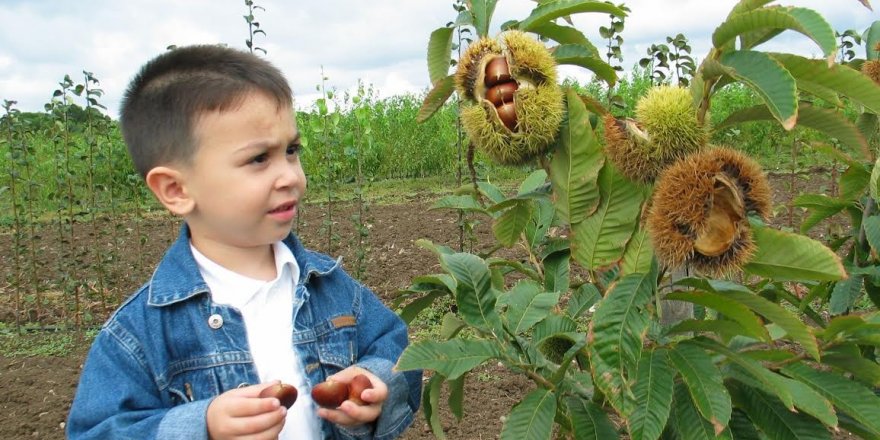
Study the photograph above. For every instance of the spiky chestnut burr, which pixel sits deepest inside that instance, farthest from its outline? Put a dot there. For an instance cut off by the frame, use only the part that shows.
(871, 69)
(664, 130)
(514, 105)
(628, 147)
(555, 347)
(699, 208)
(469, 75)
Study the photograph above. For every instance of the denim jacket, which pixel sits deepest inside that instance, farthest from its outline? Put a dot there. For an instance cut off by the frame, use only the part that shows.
(169, 350)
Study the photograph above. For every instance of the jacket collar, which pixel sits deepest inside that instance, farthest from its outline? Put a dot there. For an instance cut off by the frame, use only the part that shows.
(177, 277)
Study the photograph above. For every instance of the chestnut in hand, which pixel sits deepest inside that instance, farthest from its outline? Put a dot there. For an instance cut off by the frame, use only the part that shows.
(330, 394)
(357, 386)
(285, 393)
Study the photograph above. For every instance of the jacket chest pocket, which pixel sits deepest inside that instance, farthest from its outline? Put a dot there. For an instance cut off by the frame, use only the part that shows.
(205, 381)
(337, 348)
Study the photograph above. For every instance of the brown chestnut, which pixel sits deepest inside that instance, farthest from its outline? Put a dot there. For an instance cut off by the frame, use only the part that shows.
(357, 386)
(497, 71)
(285, 393)
(507, 114)
(501, 93)
(330, 394)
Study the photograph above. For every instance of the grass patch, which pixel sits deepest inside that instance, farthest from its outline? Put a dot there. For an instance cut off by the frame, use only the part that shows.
(46, 344)
(395, 191)
(427, 325)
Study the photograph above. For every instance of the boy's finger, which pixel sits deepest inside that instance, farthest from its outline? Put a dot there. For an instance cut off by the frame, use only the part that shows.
(350, 413)
(260, 423)
(375, 395)
(241, 406)
(347, 374)
(336, 416)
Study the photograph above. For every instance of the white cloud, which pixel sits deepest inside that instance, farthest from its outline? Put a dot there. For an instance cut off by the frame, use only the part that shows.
(380, 42)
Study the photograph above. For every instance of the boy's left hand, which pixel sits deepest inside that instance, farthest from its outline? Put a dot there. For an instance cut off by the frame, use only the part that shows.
(350, 413)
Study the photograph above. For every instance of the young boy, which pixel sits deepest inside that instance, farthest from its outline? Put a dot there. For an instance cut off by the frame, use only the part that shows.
(236, 304)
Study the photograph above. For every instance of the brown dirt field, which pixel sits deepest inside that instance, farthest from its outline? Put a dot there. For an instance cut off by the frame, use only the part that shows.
(37, 390)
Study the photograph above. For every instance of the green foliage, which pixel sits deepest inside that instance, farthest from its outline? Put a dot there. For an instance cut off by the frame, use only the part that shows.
(857, 195)
(613, 38)
(39, 132)
(783, 256)
(654, 381)
(533, 417)
(579, 159)
(253, 26)
(398, 148)
(660, 56)
(327, 143)
(848, 41)
(612, 34)
(579, 310)
(356, 143)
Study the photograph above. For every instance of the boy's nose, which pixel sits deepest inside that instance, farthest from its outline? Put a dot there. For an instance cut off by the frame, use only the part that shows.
(288, 175)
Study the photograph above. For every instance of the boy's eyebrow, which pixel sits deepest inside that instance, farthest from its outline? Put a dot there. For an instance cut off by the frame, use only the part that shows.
(262, 144)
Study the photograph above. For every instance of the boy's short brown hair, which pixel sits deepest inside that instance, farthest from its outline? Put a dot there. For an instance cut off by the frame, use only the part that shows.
(165, 99)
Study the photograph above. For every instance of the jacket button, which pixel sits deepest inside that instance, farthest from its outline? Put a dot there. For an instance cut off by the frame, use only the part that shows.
(215, 321)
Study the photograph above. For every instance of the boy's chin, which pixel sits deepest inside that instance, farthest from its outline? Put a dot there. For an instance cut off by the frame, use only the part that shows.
(282, 235)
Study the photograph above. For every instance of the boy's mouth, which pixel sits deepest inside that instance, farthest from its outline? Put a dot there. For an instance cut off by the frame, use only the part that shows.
(283, 208)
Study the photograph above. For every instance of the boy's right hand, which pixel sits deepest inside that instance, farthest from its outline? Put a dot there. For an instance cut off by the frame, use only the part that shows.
(242, 413)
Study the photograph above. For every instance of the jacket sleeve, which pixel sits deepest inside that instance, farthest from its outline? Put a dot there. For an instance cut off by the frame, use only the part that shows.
(118, 398)
(380, 344)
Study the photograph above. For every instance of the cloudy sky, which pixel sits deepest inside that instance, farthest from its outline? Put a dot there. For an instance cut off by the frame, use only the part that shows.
(380, 42)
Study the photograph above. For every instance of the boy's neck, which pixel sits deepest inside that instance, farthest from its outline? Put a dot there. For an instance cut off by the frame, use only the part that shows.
(253, 262)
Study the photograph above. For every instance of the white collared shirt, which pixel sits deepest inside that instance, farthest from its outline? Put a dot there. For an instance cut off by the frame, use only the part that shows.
(267, 310)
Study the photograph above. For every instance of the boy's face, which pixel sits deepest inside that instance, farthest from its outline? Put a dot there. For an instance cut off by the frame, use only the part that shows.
(245, 180)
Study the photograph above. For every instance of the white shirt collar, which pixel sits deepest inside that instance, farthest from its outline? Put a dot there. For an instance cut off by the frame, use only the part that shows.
(235, 289)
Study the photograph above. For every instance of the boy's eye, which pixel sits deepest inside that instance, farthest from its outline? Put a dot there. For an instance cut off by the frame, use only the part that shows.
(260, 158)
(293, 148)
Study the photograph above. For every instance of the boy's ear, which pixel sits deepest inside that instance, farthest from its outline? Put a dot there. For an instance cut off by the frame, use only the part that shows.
(168, 186)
